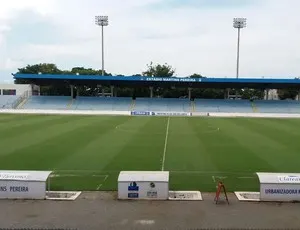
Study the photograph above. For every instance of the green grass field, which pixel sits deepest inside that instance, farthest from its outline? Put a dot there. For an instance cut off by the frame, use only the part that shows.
(88, 152)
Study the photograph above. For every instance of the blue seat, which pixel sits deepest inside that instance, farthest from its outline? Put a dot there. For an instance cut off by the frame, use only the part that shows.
(278, 106)
(6, 101)
(47, 102)
(162, 104)
(102, 103)
(225, 106)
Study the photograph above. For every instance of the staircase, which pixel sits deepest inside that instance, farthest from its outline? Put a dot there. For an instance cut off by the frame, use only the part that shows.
(254, 108)
(69, 106)
(132, 106)
(193, 106)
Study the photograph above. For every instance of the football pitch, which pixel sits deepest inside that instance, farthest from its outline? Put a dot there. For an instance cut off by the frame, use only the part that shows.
(88, 152)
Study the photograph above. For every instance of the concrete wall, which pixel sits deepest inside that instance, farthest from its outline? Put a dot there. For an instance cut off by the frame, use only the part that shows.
(20, 89)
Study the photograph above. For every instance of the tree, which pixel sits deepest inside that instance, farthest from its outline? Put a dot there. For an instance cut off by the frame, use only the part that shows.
(251, 94)
(287, 94)
(89, 71)
(44, 68)
(159, 70)
(196, 75)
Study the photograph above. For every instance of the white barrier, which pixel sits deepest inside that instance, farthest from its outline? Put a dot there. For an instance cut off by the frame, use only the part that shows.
(279, 186)
(63, 112)
(255, 115)
(139, 113)
(23, 184)
(136, 185)
(176, 114)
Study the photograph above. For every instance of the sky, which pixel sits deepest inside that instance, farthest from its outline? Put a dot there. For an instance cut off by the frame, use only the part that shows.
(193, 36)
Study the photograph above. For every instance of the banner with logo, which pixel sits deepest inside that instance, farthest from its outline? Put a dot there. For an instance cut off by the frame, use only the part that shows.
(279, 186)
(180, 114)
(140, 113)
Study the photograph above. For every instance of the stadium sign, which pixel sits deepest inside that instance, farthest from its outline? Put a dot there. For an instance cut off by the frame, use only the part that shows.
(173, 79)
(279, 186)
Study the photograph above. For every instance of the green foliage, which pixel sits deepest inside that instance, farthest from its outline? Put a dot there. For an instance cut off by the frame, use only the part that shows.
(252, 94)
(196, 75)
(44, 68)
(159, 70)
(287, 93)
(89, 71)
(61, 89)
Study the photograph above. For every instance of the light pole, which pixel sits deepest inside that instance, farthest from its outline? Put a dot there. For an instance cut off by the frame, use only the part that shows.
(239, 23)
(102, 21)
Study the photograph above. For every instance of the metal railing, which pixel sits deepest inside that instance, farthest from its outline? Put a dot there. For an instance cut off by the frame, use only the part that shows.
(19, 100)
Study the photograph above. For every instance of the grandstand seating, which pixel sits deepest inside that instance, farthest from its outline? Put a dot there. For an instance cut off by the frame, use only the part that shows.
(6, 101)
(218, 105)
(47, 102)
(154, 104)
(162, 104)
(102, 103)
(287, 106)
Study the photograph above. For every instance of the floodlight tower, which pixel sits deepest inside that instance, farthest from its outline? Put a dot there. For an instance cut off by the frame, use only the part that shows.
(239, 23)
(102, 21)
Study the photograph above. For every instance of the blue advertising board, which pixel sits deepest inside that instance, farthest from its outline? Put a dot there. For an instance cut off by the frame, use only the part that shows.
(140, 113)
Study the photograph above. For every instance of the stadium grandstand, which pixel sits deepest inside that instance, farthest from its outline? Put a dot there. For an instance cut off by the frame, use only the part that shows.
(28, 96)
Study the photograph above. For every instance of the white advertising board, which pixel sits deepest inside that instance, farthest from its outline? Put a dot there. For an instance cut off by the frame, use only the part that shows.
(23, 184)
(279, 186)
(22, 190)
(137, 185)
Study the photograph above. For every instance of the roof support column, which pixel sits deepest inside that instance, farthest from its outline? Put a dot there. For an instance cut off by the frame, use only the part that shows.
(226, 93)
(151, 91)
(299, 95)
(72, 90)
(267, 91)
(77, 92)
(190, 93)
(112, 90)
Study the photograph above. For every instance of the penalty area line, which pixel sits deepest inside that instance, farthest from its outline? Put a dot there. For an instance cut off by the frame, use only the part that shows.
(215, 178)
(100, 185)
(165, 147)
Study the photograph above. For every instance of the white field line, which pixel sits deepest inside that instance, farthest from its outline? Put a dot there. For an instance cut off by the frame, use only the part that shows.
(165, 147)
(100, 185)
(75, 175)
(218, 177)
(246, 177)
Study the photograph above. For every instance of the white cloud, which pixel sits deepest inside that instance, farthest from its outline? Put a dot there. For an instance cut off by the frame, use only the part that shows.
(10, 8)
(193, 40)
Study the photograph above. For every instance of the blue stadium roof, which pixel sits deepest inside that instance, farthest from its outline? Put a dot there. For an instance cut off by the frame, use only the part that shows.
(183, 81)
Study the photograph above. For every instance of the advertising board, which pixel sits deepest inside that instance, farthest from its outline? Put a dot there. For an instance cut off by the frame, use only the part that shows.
(143, 185)
(279, 186)
(22, 190)
(183, 114)
(140, 113)
(280, 192)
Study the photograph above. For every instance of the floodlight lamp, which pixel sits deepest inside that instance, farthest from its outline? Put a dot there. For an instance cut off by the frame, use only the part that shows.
(239, 23)
(101, 20)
